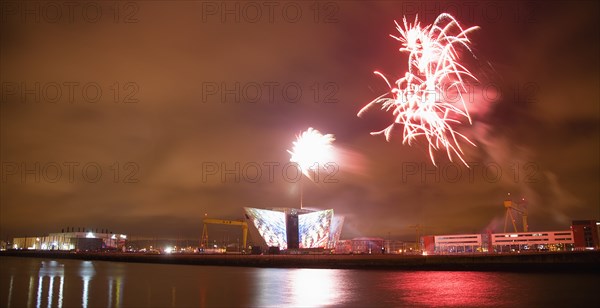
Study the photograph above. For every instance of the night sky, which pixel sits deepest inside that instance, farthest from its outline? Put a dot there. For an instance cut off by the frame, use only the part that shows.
(127, 116)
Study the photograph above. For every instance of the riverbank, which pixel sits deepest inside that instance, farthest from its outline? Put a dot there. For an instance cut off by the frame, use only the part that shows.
(584, 261)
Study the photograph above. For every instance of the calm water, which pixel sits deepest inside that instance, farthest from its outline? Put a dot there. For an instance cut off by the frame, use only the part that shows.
(31, 282)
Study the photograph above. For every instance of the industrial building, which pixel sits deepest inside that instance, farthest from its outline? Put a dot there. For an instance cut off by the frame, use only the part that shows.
(72, 240)
(582, 235)
(361, 245)
(453, 243)
(532, 241)
(155, 244)
(291, 228)
(586, 233)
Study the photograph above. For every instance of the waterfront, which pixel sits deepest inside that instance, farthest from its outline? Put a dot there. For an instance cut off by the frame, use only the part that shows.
(39, 282)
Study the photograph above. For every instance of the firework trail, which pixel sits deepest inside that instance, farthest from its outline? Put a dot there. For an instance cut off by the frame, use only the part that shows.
(417, 99)
(312, 150)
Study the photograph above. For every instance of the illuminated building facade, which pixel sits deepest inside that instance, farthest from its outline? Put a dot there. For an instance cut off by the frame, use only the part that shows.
(532, 241)
(585, 233)
(373, 245)
(71, 240)
(499, 242)
(368, 245)
(289, 228)
(456, 243)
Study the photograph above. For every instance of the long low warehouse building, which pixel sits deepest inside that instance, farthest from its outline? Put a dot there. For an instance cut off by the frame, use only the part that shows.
(499, 242)
(583, 235)
(73, 240)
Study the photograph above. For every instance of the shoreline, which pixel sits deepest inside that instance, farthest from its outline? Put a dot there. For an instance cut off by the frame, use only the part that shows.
(580, 261)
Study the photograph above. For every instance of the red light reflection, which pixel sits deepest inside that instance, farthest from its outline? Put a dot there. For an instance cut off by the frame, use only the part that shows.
(437, 289)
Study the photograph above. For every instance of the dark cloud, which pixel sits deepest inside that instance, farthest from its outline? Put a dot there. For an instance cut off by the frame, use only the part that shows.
(538, 124)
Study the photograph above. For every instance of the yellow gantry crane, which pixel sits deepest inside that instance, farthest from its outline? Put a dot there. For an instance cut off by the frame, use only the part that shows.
(519, 207)
(206, 221)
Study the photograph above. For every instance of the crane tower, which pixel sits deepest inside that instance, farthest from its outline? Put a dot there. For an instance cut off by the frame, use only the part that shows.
(519, 207)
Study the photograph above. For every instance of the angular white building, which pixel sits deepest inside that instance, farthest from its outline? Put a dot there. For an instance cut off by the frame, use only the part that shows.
(290, 228)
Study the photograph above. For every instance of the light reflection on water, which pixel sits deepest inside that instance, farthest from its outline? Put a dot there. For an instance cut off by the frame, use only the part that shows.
(48, 271)
(10, 285)
(30, 282)
(300, 287)
(46, 280)
(456, 289)
(86, 271)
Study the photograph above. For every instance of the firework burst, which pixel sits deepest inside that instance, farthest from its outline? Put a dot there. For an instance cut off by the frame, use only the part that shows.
(312, 150)
(417, 100)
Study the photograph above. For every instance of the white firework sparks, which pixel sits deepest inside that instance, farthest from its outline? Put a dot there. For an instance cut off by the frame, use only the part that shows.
(416, 100)
(312, 150)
